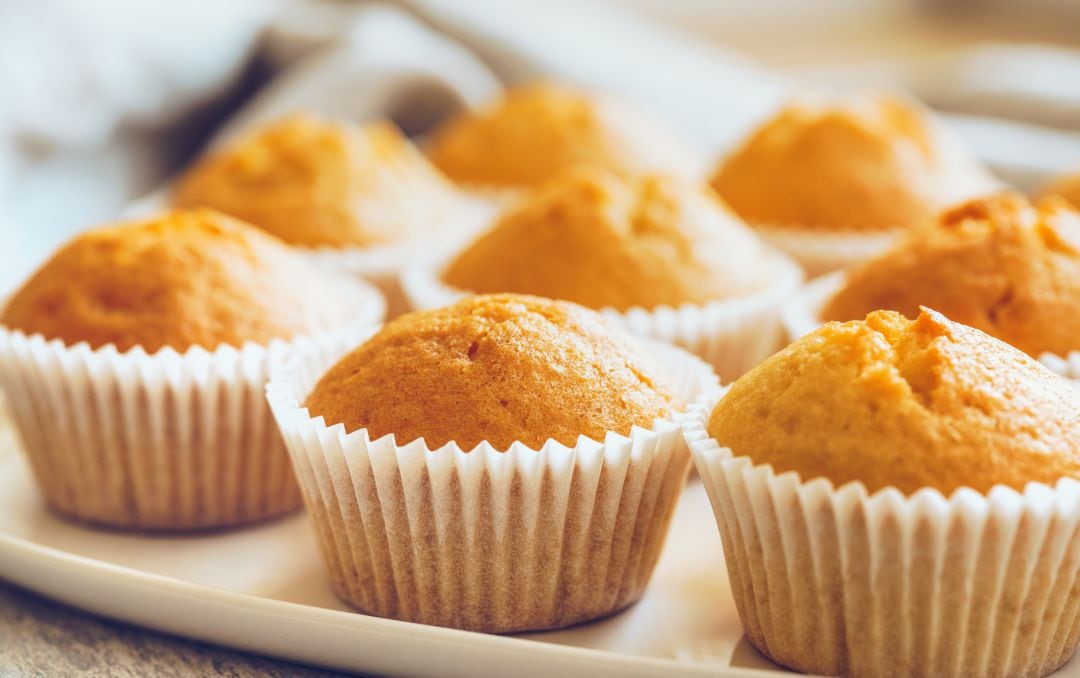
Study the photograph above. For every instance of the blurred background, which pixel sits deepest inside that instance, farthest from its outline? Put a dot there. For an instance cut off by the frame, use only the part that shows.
(100, 102)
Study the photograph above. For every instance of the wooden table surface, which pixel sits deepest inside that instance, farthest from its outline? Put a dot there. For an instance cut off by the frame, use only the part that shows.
(39, 637)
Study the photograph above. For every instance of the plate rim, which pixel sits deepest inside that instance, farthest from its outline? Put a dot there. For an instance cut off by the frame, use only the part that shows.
(16, 551)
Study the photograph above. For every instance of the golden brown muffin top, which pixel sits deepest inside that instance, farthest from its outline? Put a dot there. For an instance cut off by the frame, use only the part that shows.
(182, 279)
(998, 264)
(893, 402)
(536, 132)
(1067, 187)
(324, 183)
(601, 241)
(867, 163)
(498, 368)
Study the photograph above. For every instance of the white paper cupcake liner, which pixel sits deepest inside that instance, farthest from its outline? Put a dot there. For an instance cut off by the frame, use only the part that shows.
(172, 440)
(732, 335)
(486, 540)
(837, 581)
(801, 315)
(820, 252)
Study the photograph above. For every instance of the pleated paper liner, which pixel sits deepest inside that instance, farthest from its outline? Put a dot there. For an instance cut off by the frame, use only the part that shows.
(732, 335)
(801, 315)
(486, 540)
(837, 581)
(169, 441)
(820, 252)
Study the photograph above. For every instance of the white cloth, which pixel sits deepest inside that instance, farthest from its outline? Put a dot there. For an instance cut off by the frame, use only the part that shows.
(378, 62)
(87, 88)
(381, 61)
(709, 93)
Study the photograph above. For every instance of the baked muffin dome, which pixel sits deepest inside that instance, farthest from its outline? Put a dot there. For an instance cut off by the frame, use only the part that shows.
(322, 183)
(536, 132)
(603, 241)
(182, 279)
(893, 402)
(999, 264)
(866, 163)
(1067, 187)
(498, 368)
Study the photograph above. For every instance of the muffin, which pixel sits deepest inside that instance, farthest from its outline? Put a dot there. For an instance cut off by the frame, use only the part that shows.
(898, 497)
(504, 434)
(358, 195)
(658, 254)
(833, 180)
(141, 352)
(998, 264)
(539, 131)
(1066, 187)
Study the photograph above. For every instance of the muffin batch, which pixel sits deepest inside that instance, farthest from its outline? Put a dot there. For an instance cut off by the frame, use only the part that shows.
(897, 491)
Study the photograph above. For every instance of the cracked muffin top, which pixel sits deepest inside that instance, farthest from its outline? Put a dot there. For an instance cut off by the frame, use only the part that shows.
(182, 279)
(500, 369)
(599, 240)
(858, 163)
(535, 132)
(322, 183)
(999, 264)
(892, 402)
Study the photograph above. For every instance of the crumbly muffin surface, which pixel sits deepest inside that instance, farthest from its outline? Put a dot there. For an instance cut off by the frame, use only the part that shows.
(321, 183)
(603, 241)
(908, 404)
(182, 279)
(999, 264)
(498, 368)
(869, 163)
(536, 132)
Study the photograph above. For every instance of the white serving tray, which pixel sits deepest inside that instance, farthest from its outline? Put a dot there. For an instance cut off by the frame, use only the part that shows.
(264, 590)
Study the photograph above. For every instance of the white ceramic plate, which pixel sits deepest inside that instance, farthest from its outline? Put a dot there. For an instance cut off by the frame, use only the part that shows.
(264, 590)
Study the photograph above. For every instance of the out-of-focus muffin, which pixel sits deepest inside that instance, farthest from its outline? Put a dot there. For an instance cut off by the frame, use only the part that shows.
(661, 255)
(840, 175)
(1067, 187)
(998, 264)
(315, 182)
(536, 132)
(602, 241)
